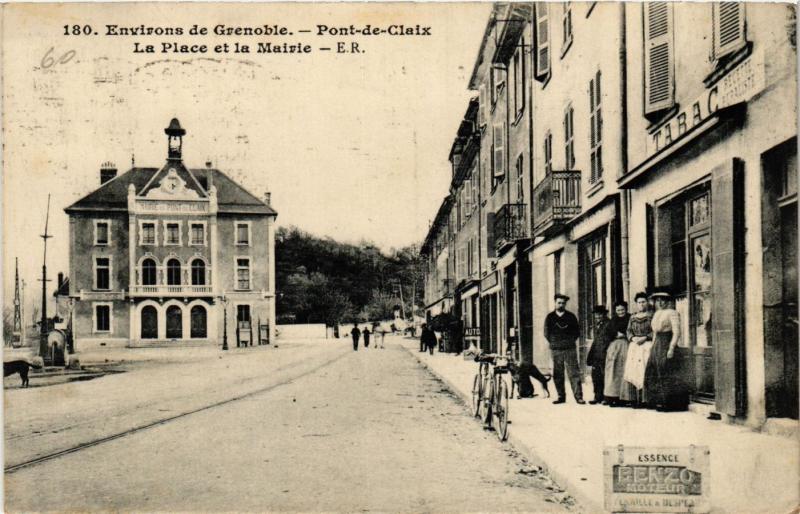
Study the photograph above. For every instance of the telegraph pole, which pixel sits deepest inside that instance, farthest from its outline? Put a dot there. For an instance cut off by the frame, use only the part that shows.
(16, 334)
(44, 280)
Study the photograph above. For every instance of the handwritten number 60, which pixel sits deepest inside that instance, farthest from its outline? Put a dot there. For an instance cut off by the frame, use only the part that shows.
(48, 61)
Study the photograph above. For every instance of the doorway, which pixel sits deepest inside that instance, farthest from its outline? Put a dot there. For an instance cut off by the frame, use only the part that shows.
(779, 241)
(174, 322)
(149, 321)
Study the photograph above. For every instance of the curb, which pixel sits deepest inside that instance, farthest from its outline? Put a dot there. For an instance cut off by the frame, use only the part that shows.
(584, 502)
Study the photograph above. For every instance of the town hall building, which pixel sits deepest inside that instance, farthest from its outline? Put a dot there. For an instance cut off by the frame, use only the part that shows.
(171, 254)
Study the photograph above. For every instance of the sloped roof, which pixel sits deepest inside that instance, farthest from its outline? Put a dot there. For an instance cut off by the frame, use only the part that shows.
(231, 197)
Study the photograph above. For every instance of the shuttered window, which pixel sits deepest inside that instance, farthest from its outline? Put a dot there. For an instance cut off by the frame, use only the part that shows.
(542, 41)
(596, 129)
(499, 150)
(659, 49)
(569, 138)
(519, 80)
(520, 174)
(482, 105)
(566, 25)
(548, 153)
(729, 28)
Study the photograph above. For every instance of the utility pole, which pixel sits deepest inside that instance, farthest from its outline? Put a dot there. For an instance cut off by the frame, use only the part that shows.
(44, 280)
(16, 333)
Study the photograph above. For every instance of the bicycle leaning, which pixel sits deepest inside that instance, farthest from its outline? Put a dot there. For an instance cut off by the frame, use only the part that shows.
(490, 393)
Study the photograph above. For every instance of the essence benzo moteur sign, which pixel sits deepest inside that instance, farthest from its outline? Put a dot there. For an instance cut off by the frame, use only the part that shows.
(656, 479)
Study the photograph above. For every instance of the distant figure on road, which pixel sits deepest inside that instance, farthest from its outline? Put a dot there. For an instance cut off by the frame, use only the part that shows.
(427, 338)
(356, 333)
(366, 336)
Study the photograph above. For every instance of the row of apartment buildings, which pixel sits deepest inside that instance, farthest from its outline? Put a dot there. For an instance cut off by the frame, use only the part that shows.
(616, 147)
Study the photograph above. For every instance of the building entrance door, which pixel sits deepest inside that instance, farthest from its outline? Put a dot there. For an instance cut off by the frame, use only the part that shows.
(174, 322)
(149, 321)
(779, 240)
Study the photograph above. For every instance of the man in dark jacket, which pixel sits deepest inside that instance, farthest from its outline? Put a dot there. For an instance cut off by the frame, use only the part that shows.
(356, 333)
(596, 358)
(561, 330)
(427, 338)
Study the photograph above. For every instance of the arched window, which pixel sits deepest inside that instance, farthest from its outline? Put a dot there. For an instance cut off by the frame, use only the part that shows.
(149, 272)
(198, 272)
(198, 322)
(173, 272)
(174, 322)
(149, 319)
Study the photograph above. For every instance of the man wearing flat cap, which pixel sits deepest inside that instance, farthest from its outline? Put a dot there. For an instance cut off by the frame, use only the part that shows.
(596, 358)
(561, 330)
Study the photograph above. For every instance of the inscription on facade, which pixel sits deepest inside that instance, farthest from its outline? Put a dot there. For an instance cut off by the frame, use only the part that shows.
(739, 85)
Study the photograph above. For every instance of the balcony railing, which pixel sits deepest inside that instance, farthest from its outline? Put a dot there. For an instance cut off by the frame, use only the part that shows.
(509, 225)
(556, 199)
(167, 290)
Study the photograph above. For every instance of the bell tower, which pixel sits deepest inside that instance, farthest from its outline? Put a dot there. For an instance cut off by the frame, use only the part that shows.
(174, 139)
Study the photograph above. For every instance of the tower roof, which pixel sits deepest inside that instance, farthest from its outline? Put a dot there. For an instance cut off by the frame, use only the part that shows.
(174, 128)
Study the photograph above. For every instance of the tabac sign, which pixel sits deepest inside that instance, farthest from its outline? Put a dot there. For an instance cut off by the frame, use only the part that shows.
(739, 85)
(656, 479)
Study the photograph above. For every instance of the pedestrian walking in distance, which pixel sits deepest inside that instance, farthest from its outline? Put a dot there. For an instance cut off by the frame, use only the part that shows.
(366, 334)
(596, 358)
(561, 330)
(356, 333)
(427, 338)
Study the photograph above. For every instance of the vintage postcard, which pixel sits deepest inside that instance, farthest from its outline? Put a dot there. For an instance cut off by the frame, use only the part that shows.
(400, 257)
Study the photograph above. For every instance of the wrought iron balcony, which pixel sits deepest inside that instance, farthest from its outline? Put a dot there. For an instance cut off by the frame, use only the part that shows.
(556, 199)
(509, 225)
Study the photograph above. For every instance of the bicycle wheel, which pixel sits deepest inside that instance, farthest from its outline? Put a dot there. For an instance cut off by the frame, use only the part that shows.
(501, 410)
(488, 401)
(477, 393)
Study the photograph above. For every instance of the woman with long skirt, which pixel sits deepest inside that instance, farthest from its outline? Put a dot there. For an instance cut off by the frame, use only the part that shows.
(640, 342)
(664, 385)
(616, 391)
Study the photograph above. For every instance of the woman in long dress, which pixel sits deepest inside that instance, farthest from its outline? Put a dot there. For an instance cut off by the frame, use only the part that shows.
(616, 391)
(640, 342)
(664, 385)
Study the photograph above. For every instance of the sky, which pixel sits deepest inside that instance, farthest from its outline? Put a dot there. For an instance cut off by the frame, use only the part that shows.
(351, 146)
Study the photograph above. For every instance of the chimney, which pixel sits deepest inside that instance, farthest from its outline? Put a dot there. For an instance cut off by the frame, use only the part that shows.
(208, 164)
(108, 170)
(60, 281)
(268, 198)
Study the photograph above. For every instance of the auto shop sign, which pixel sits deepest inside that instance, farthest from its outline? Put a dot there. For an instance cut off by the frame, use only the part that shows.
(657, 479)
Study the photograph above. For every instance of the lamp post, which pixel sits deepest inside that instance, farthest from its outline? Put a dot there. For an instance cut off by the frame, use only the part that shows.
(225, 322)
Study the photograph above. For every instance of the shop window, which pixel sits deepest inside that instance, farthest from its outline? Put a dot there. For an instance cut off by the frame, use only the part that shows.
(593, 277)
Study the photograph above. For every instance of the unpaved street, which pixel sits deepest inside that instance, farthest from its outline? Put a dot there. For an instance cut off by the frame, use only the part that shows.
(370, 431)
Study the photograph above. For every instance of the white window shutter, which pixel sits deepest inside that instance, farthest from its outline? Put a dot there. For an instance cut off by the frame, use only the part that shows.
(542, 40)
(499, 149)
(729, 28)
(482, 105)
(659, 50)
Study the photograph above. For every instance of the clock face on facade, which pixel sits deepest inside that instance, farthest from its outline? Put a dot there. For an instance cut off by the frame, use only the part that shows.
(172, 182)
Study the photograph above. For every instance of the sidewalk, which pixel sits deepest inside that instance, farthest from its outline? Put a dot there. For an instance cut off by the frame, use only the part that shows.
(750, 472)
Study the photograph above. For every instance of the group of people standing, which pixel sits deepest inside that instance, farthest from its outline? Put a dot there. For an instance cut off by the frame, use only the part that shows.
(357, 334)
(633, 358)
